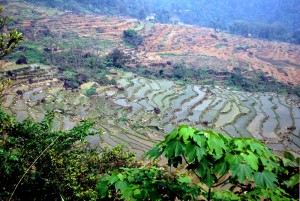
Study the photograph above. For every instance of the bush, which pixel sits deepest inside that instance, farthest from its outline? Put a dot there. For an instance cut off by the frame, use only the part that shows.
(57, 164)
(90, 92)
(131, 36)
(69, 75)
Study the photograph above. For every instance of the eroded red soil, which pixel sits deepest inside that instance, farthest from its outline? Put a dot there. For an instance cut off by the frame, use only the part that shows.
(198, 47)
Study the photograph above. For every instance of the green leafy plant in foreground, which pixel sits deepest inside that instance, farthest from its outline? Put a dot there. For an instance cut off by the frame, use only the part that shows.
(146, 183)
(37, 163)
(230, 168)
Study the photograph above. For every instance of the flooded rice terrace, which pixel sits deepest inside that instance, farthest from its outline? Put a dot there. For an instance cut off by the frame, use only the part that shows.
(139, 112)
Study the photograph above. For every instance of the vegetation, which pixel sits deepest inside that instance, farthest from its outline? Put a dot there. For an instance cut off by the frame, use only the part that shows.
(57, 166)
(8, 41)
(90, 92)
(276, 18)
(146, 183)
(37, 163)
(259, 30)
(131, 36)
(4, 83)
(117, 58)
(245, 165)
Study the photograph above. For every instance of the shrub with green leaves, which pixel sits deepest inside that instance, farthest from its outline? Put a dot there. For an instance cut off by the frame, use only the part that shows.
(246, 166)
(53, 165)
(146, 183)
(69, 75)
(131, 36)
(45, 158)
(90, 92)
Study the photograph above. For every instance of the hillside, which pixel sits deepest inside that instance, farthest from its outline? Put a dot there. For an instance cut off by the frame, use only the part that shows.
(198, 47)
(139, 111)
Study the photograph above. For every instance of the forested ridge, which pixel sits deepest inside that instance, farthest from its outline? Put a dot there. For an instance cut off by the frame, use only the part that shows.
(266, 19)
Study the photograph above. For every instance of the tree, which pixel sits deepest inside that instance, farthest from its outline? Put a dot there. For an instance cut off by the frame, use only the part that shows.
(132, 37)
(8, 41)
(37, 163)
(117, 58)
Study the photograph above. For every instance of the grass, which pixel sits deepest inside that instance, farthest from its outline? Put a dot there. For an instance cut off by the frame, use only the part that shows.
(32, 55)
(171, 54)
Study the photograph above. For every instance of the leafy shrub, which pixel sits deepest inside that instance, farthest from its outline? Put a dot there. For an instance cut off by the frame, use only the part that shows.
(55, 164)
(251, 170)
(146, 183)
(90, 92)
(131, 36)
(117, 58)
(69, 75)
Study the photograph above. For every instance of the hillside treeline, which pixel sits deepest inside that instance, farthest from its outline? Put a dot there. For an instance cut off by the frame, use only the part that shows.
(274, 20)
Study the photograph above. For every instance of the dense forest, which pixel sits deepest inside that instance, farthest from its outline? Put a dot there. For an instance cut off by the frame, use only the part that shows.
(276, 19)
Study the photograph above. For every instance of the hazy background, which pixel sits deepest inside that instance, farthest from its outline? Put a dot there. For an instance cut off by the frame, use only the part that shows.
(268, 19)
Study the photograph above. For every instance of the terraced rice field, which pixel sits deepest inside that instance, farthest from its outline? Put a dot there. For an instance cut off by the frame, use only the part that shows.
(129, 116)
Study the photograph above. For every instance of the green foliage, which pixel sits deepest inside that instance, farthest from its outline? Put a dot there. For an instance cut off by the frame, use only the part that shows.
(130, 33)
(23, 143)
(258, 30)
(117, 58)
(69, 75)
(90, 92)
(244, 163)
(146, 183)
(4, 83)
(8, 41)
(131, 36)
(56, 164)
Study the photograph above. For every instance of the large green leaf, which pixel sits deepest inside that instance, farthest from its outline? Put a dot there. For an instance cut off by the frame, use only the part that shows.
(216, 146)
(221, 168)
(240, 143)
(225, 195)
(294, 180)
(257, 147)
(121, 176)
(265, 179)
(184, 180)
(174, 148)
(199, 139)
(289, 155)
(242, 171)
(185, 133)
(209, 180)
(126, 192)
(171, 136)
(120, 185)
(155, 152)
(251, 160)
(193, 151)
(102, 188)
(233, 159)
(113, 179)
(202, 168)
